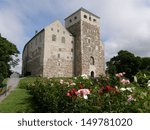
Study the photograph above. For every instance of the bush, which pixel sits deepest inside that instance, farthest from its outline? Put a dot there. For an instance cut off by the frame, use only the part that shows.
(83, 94)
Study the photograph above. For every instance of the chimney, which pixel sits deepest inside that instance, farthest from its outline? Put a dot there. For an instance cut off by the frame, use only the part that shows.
(36, 31)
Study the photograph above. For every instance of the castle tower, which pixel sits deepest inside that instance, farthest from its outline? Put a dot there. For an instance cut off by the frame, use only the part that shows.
(88, 49)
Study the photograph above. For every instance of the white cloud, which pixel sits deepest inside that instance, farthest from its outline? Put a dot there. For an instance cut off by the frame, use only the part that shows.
(125, 24)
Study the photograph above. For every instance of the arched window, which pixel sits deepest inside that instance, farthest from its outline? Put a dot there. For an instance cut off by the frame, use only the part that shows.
(92, 60)
(92, 74)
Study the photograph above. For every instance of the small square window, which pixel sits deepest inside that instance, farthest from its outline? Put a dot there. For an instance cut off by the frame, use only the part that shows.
(51, 29)
(70, 20)
(94, 20)
(72, 50)
(75, 17)
(57, 30)
(85, 16)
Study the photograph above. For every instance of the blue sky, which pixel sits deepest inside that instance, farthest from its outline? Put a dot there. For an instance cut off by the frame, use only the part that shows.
(125, 24)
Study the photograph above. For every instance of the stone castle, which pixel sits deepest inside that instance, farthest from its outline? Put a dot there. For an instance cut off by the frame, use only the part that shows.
(58, 51)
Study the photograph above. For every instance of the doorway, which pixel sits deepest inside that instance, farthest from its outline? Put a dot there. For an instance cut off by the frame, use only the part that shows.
(92, 74)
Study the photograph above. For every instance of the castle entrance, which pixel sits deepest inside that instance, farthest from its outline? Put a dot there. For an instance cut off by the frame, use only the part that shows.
(92, 73)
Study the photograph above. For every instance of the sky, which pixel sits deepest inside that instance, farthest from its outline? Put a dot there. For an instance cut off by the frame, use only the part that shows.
(124, 24)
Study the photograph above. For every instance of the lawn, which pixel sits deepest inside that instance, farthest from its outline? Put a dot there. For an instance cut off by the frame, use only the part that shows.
(19, 100)
(16, 102)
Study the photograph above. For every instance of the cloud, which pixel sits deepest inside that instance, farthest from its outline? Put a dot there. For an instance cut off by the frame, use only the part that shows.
(125, 24)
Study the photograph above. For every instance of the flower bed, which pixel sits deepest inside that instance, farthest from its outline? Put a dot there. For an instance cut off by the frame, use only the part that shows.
(84, 94)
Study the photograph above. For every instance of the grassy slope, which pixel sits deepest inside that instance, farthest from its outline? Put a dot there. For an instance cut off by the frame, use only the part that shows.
(18, 100)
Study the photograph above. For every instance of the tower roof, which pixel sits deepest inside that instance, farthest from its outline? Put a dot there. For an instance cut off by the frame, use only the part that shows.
(84, 10)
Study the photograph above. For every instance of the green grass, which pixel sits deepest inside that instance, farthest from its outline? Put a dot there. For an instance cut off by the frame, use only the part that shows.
(18, 101)
(26, 80)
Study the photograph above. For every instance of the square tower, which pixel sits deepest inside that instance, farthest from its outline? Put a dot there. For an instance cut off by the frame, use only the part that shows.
(88, 49)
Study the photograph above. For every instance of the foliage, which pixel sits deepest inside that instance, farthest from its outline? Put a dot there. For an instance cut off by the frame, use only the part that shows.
(25, 81)
(124, 62)
(142, 79)
(145, 65)
(83, 94)
(7, 51)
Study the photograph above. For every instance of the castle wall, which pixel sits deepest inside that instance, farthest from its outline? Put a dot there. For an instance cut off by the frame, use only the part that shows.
(57, 51)
(33, 56)
(58, 54)
(76, 31)
(92, 49)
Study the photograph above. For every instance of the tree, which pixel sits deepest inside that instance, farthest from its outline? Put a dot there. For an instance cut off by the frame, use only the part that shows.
(145, 63)
(7, 51)
(124, 62)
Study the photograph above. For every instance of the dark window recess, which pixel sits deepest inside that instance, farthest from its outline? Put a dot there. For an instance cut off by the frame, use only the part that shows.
(72, 50)
(58, 55)
(92, 60)
(85, 16)
(53, 37)
(94, 20)
(63, 39)
(59, 49)
(90, 18)
(57, 30)
(70, 20)
(89, 41)
(75, 17)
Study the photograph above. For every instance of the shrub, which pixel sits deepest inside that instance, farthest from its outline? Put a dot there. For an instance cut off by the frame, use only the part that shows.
(84, 94)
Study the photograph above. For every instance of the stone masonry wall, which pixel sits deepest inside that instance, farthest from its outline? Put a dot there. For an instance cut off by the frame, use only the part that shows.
(91, 47)
(76, 32)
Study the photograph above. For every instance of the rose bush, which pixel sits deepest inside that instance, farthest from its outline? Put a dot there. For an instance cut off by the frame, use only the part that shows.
(85, 94)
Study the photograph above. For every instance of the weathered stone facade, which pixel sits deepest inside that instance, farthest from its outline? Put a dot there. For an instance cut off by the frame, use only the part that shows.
(59, 51)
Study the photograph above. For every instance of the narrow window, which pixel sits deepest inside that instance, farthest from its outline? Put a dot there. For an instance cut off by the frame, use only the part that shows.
(53, 37)
(63, 39)
(70, 20)
(63, 32)
(92, 60)
(59, 49)
(72, 50)
(89, 41)
(58, 55)
(57, 30)
(51, 29)
(90, 18)
(85, 16)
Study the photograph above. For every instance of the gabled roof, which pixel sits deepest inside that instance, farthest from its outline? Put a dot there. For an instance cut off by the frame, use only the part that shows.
(58, 22)
(84, 10)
